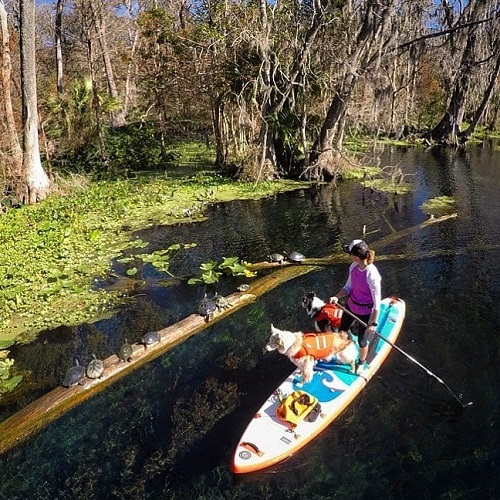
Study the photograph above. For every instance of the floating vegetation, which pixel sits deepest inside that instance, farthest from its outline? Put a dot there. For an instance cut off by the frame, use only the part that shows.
(439, 206)
(212, 271)
(389, 179)
(159, 259)
(68, 241)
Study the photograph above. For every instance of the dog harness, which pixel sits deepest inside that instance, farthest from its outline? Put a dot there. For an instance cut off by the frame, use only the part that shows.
(330, 313)
(317, 345)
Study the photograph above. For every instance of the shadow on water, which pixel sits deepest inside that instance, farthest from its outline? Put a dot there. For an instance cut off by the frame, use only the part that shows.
(168, 429)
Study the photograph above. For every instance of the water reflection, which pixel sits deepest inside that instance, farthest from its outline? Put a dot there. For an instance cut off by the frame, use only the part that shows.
(168, 429)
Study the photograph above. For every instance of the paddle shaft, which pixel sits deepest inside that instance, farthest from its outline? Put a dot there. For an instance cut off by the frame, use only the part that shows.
(394, 346)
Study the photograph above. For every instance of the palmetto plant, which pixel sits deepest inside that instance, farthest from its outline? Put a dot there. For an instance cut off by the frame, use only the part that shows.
(71, 118)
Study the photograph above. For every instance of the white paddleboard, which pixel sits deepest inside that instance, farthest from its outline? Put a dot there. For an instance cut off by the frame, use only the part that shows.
(267, 440)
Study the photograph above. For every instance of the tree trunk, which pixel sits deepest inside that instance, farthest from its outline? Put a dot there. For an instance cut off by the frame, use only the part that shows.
(12, 140)
(364, 52)
(334, 116)
(466, 134)
(36, 183)
(117, 115)
(267, 157)
(217, 120)
(58, 44)
(447, 131)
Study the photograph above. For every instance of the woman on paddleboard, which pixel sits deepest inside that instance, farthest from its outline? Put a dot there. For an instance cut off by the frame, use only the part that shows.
(363, 287)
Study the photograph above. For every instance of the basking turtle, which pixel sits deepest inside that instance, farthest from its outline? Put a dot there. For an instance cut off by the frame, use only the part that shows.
(243, 287)
(221, 302)
(295, 256)
(95, 368)
(276, 257)
(207, 308)
(150, 338)
(74, 375)
(125, 352)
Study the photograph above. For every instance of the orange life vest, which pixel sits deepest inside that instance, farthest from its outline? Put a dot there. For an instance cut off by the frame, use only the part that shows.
(330, 312)
(317, 345)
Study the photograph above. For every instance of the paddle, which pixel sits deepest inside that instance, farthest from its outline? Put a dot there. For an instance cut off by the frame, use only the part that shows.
(394, 346)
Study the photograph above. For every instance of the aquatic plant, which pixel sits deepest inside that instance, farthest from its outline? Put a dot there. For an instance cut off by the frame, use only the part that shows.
(389, 179)
(439, 206)
(8, 381)
(159, 259)
(194, 416)
(211, 271)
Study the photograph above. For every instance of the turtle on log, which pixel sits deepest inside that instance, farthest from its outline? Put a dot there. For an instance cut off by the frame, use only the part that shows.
(276, 257)
(294, 256)
(125, 352)
(221, 302)
(207, 308)
(95, 368)
(74, 375)
(150, 338)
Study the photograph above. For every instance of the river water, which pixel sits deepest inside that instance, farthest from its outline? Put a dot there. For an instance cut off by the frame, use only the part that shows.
(168, 430)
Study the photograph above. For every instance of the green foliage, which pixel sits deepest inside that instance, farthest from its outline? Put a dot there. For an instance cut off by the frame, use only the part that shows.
(132, 150)
(212, 271)
(7, 381)
(71, 116)
(242, 69)
(129, 149)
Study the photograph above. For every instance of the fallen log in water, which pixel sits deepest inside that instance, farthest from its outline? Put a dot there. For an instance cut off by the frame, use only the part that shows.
(55, 403)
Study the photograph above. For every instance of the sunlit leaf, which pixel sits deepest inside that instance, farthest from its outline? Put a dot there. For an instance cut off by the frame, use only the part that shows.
(94, 235)
(229, 262)
(208, 266)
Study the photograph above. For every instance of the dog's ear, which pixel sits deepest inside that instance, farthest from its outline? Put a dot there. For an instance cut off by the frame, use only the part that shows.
(274, 330)
(310, 295)
(278, 341)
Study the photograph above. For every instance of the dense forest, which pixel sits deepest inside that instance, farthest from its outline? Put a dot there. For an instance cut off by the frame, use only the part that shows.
(104, 86)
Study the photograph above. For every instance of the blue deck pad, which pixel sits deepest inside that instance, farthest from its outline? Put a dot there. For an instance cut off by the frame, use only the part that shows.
(343, 372)
(318, 386)
(322, 385)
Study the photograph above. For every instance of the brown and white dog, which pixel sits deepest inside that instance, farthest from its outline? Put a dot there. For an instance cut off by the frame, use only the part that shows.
(303, 349)
(326, 317)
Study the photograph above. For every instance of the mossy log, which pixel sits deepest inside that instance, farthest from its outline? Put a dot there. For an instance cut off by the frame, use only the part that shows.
(57, 402)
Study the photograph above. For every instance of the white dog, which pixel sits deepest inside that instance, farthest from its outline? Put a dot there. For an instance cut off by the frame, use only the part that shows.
(326, 317)
(303, 349)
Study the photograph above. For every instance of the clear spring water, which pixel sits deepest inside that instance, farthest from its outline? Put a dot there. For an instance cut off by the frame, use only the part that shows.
(168, 430)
